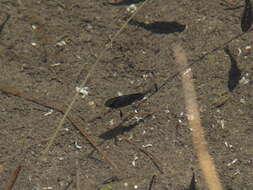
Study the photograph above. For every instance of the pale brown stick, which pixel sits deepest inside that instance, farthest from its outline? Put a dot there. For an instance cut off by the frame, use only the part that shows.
(13, 178)
(205, 160)
(60, 109)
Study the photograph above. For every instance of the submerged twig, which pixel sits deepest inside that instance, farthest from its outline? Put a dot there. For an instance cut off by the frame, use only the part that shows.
(60, 109)
(13, 178)
(4, 22)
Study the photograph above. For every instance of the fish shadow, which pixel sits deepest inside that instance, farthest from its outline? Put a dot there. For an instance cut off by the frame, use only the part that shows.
(121, 129)
(160, 27)
(234, 75)
(126, 2)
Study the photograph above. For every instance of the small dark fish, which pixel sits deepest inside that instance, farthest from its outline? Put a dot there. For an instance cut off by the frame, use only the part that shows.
(193, 183)
(125, 100)
(126, 2)
(246, 19)
(234, 75)
(160, 27)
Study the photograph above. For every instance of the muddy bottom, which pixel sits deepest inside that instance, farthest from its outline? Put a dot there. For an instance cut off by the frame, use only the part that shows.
(47, 49)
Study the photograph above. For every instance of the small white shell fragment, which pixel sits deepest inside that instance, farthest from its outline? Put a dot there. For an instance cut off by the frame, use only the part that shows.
(34, 26)
(120, 94)
(237, 172)
(134, 161)
(125, 184)
(47, 188)
(136, 186)
(167, 111)
(132, 8)
(187, 71)
(77, 146)
(239, 51)
(138, 118)
(147, 145)
(49, 112)
(142, 51)
(111, 122)
(91, 103)
(231, 163)
(34, 44)
(66, 129)
(242, 100)
(244, 80)
(145, 76)
(228, 145)
(61, 43)
(55, 64)
(83, 91)
(222, 122)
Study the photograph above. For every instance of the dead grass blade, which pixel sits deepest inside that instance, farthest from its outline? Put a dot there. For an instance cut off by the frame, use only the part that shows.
(107, 46)
(205, 160)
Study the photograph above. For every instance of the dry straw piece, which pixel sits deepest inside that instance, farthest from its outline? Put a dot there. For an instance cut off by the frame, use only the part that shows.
(205, 160)
(107, 46)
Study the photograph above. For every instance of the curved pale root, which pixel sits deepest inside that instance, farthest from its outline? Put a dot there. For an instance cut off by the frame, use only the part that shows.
(206, 162)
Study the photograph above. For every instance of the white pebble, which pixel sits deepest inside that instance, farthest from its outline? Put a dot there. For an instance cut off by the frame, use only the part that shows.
(132, 8)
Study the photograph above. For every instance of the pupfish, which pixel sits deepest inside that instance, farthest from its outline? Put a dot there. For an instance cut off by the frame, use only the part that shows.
(126, 2)
(246, 19)
(125, 100)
